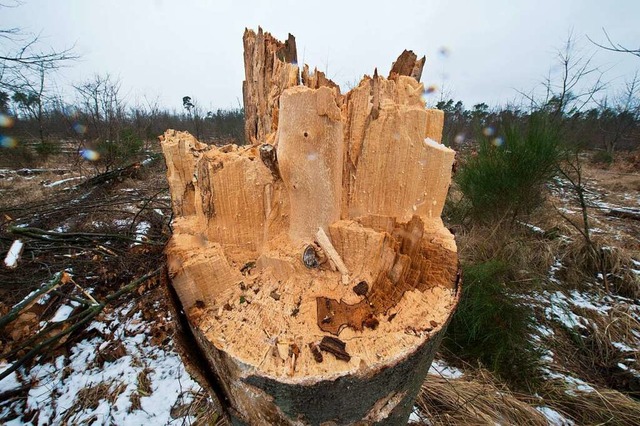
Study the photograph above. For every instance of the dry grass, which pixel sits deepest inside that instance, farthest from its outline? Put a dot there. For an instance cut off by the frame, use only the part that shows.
(89, 398)
(480, 400)
(598, 407)
(594, 352)
(528, 254)
(583, 262)
(201, 409)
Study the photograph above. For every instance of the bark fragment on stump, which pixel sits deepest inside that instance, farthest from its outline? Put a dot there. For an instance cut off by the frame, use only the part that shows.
(343, 233)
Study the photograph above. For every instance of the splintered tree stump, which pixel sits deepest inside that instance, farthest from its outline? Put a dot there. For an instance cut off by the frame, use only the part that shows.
(313, 265)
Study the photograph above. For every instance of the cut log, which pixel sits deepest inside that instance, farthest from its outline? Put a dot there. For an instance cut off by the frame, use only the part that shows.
(313, 266)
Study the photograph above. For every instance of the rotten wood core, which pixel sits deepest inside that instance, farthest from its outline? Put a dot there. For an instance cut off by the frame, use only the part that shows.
(317, 252)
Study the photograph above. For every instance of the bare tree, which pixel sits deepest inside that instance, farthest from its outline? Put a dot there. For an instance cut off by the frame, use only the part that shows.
(104, 110)
(30, 98)
(102, 106)
(573, 86)
(21, 52)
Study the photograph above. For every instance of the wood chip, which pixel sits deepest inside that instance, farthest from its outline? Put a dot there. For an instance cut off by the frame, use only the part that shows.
(336, 347)
(315, 351)
(274, 295)
(361, 289)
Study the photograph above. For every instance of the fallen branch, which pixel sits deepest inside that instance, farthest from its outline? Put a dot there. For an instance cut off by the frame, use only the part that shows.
(87, 315)
(41, 234)
(624, 213)
(129, 171)
(13, 314)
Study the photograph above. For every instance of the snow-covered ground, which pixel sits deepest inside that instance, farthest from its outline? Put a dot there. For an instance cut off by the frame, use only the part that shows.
(117, 376)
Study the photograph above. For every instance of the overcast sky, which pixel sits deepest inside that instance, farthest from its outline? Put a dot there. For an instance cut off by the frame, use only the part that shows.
(479, 50)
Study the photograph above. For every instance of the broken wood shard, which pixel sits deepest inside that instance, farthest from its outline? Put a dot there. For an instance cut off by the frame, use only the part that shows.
(331, 252)
(336, 347)
(322, 235)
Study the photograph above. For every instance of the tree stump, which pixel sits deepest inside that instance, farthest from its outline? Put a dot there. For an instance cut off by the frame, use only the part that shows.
(313, 266)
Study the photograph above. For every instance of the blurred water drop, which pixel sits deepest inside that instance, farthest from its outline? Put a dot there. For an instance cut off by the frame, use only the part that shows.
(6, 121)
(80, 128)
(497, 141)
(429, 90)
(488, 131)
(8, 142)
(89, 154)
(459, 138)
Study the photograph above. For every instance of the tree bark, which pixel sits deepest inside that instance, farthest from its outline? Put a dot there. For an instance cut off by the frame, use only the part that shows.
(313, 266)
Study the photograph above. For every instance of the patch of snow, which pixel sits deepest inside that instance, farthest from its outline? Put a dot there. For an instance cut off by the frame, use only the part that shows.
(415, 417)
(544, 331)
(141, 230)
(58, 385)
(553, 417)
(147, 161)
(553, 269)
(534, 228)
(547, 356)
(62, 313)
(122, 222)
(573, 383)
(11, 261)
(60, 182)
(559, 309)
(62, 228)
(10, 382)
(580, 300)
(441, 369)
(623, 347)
(159, 212)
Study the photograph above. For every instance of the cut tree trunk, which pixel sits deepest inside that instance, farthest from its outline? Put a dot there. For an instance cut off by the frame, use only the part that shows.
(313, 266)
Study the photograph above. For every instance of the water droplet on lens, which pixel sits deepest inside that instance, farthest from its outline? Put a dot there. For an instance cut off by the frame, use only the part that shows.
(498, 141)
(459, 138)
(89, 154)
(8, 142)
(80, 128)
(429, 90)
(488, 131)
(6, 121)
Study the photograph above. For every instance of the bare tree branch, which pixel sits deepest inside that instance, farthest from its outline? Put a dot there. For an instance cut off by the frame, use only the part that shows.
(615, 47)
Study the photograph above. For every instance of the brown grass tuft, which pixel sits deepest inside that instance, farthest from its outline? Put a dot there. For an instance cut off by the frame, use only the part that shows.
(600, 406)
(478, 400)
(583, 262)
(89, 398)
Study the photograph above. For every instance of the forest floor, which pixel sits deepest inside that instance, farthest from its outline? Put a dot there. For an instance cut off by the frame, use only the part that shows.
(87, 336)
